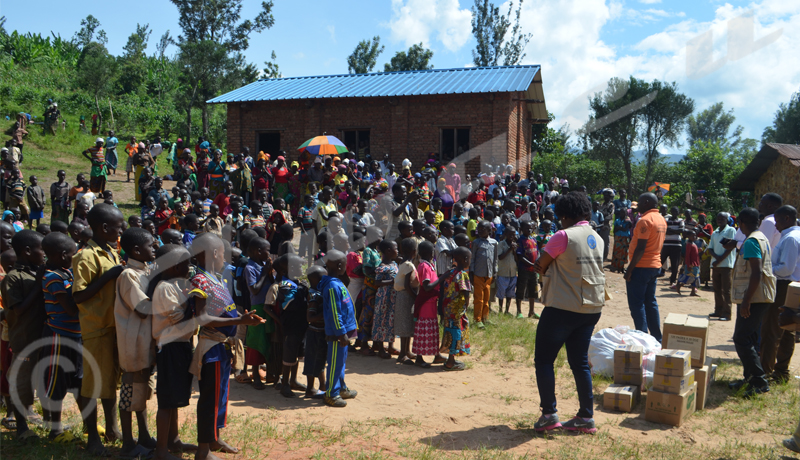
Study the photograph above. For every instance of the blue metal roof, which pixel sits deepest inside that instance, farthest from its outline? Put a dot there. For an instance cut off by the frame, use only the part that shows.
(386, 84)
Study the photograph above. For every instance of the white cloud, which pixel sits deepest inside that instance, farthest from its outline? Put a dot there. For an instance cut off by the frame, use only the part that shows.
(415, 21)
(576, 65)
(299, 55)
(332, 30)
(649, 2)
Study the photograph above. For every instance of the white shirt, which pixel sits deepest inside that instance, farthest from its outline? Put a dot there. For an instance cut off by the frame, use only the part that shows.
(156, 150)
(769, 230)
(87, 198)
(786, 256)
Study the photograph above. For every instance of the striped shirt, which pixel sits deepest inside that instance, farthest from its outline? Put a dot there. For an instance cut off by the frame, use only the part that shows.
(676, 226)
(59, 281)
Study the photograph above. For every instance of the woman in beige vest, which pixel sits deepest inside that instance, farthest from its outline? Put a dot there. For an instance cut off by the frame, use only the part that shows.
(573, 296)
(754, 292)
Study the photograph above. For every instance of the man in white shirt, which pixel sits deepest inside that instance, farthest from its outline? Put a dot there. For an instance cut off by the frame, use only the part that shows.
(722, 260)
(777, 345)
(156, 148)
(766, 207)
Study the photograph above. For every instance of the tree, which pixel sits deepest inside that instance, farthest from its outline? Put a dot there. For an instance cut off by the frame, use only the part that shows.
(211, 48)
(663, 121)
(272, 70)
(712, 125)
(785, 127)
(417, 58)
(545, 139)
(490, 28)
(96, 71)
(365, 56)
(133, 70)
(87, 33)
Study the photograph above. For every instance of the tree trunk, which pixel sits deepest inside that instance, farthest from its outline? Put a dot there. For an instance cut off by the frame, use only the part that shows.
(205, 120)
(188, 125)
(99, 114)
(629, 175)
(113, 123)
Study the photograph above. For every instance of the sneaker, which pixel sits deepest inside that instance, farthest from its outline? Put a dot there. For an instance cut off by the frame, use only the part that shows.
(723, 318)
(736, 385)
(581, 425)
(480, 325)
(335, 402)
(348, 393)
(520, 316)
(547, 423)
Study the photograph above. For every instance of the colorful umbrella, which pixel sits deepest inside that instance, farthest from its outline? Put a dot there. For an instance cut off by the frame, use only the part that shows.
(659, 187)
(323, 145)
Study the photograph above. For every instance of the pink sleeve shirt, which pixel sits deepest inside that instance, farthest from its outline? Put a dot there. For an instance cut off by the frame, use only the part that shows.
(558, 242)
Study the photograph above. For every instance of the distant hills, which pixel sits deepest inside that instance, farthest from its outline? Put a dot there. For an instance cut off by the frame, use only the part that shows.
(670, 158)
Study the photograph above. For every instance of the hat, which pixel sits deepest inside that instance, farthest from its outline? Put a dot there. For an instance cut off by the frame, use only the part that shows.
(4, 149)
(352, 161)
(418, 175)
(189, 151)
(342, 168)
(141, 145)
(295, 164)
(280, 157)
(55, 104)
(360, 164)
(318, 160)
(607, 190)
(431, 161)
(337, 159)
(99, 140)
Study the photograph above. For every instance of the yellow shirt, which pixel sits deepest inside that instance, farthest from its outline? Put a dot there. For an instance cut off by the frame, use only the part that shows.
(472, 224)
(438, 218)
(96, 314)
(324, 209)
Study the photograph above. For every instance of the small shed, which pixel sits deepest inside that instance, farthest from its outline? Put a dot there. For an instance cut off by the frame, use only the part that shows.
(775, 168)
(472, 116)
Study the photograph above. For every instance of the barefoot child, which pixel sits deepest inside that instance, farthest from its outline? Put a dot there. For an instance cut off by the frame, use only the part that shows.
(135, 340)
(527, 253)
(62, 332)
(406, 284)
(316, 346)
(507, 269)
(691, 265)
(258, 275)
(426, 327)
(383, 319)
(456, 288)
(211, 362)
(95, 268)
(340, 327)
(293, 318)
(172, 332)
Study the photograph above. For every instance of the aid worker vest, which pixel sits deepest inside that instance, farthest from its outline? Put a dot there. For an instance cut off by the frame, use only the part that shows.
(765, 292)
(575, 280)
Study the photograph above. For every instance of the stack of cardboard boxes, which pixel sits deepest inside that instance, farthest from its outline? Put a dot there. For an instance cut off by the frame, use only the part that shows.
(682, 375)
(624, 393)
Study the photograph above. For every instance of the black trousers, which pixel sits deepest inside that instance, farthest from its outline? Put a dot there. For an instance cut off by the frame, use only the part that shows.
(674, 255)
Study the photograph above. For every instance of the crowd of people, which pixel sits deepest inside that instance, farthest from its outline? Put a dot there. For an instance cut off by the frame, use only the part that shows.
(207, 281)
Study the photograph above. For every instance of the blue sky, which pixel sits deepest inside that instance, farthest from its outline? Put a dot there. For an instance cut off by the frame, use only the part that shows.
(580, 44)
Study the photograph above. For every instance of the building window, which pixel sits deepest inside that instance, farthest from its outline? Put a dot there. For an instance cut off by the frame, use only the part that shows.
(452, 143)
(357, 140)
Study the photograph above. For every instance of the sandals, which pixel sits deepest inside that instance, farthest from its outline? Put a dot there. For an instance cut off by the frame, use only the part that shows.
(65, 437)
(243, 378)
(258, 384)
(8, 423)
(457, 366)
(422, 364)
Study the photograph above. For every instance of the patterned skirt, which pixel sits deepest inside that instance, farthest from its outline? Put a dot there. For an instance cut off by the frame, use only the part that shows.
(383, 321)
(690, 277)
(426, 337)
(455, 338)
(620, 254)
(367, 309)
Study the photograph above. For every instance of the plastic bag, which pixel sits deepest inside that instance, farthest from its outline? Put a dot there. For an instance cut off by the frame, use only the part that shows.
(603, 343)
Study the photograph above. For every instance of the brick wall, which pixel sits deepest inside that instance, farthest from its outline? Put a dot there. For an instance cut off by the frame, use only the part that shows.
(783, 178)
(404, 127)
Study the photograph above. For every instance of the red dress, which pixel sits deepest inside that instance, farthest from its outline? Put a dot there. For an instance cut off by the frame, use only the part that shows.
(426, 328)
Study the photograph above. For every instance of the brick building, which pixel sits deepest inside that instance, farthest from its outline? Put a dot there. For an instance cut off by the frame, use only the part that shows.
(472, 116)
(775, 168)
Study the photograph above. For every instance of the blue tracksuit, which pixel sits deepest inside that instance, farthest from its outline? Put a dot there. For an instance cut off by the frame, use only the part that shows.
(340, 318)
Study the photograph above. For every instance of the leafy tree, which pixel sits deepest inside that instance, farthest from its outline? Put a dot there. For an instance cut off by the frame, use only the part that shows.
(785, 127)
(417, 58)
(365, 56)
(163, 43)
(272, 70)
(133, 72)
(2, 25)
(712, 125)
(211, 48)
(490, 29)
(96, 71)
(86, 35)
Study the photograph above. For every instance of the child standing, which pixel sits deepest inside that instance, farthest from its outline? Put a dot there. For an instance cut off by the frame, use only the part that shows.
(527, 252)
(383, 320)
(455, 287)
(426, 327)
(211, 362)
(472, 224)
(293, 318)
(95, 268)
(172, 332)
(406, 284)
(482, 270)
(507, 269)
(213, 223)
(316, 346)
(622, 239)
(36, 201)
(691, 265)
(133, 322)
(340, 327)
(307, 235)
(258, 275)
(445, 245)
(371, 260)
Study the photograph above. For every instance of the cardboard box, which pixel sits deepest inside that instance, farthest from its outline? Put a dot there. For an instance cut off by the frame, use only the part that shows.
(672, 383)
(628, 357)
(670, 409)
(687, 332)
(673, 362)
(628, 376)
(793, 302)
(704, 377)
(621, 397)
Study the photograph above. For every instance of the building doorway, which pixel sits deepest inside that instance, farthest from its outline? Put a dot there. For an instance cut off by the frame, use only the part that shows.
(269, 142)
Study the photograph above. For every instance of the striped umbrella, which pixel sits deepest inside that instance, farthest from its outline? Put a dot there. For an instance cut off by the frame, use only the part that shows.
(323, 145)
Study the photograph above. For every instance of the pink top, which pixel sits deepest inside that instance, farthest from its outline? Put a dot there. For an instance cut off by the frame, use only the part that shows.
(558, 242)
(425, 303)
(353, 260)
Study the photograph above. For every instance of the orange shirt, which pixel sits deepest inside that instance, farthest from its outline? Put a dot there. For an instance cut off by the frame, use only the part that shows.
(653, 228)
